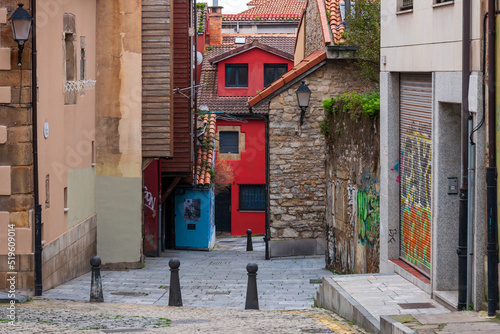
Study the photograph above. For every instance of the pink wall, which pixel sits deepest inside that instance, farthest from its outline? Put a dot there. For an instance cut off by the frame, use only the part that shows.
(255, 58)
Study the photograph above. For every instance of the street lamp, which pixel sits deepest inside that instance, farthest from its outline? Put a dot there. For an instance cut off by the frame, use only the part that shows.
(303, 97)
(21, 25)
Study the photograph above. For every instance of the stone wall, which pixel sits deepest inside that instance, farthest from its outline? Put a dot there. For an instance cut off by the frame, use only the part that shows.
(68, 256)
(298, 156)
(353, 172)
(16, 154)
(353, 209)
(314, 39)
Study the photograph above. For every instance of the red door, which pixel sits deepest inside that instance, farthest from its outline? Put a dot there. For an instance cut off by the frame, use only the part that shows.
(151, 213)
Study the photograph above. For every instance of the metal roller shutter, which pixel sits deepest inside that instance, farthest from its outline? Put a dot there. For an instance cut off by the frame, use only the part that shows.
(415, 169)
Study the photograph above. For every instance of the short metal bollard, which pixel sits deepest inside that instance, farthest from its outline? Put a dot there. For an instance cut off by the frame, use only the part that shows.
(249, 241)
(252, 302)
(96, 283)
(174, 298)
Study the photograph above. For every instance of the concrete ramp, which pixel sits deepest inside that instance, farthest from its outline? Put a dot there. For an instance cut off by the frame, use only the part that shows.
(364, 299)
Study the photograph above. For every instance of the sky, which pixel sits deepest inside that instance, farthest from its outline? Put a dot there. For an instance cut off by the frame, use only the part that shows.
(231, 6)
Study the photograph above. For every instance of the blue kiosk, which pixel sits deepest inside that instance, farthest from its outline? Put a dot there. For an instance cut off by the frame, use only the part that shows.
(194, 218)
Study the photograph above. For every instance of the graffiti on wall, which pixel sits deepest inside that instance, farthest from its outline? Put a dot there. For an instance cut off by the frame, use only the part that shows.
(416, 199)
(355, 221)
(368, 208)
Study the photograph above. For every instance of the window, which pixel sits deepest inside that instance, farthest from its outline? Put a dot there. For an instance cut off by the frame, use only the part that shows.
(237, 75)
(229, 142)
(442, 1)
(405, 4)
(273, 72)
(252, 197)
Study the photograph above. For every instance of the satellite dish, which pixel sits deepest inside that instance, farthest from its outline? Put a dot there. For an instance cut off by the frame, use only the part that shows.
(199, 58)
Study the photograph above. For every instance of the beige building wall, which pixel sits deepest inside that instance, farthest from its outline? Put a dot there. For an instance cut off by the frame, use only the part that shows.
(66, 45)
(427, 38)
(66, 154)
(119, 159)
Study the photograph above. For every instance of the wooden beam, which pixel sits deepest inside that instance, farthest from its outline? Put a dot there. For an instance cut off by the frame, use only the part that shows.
(170, 189)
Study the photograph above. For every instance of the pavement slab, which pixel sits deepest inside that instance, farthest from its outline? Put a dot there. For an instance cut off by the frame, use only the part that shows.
(214, 279)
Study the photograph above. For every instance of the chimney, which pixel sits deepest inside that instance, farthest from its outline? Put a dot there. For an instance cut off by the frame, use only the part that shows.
(215, 24)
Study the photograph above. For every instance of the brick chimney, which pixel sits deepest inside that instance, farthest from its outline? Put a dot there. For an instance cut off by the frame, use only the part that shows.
(215, 25)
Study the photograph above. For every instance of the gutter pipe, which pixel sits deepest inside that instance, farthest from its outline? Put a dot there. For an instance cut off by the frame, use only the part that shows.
(38, 207)
(491, 170)
(463, 198)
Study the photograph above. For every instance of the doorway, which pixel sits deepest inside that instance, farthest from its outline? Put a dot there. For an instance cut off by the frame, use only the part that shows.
(223, 212)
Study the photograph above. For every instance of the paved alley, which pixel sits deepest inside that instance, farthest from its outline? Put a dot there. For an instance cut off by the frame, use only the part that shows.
(215, 279)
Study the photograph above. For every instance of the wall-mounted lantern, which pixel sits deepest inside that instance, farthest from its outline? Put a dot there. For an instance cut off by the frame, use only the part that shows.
(303, 97)
(21, 26)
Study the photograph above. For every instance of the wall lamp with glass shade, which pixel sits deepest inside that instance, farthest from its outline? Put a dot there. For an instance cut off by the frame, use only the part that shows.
(303, 98)
(21, 26)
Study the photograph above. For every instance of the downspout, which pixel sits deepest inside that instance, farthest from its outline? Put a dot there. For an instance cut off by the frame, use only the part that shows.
(462, 220)
(491, 170)
(38, 207)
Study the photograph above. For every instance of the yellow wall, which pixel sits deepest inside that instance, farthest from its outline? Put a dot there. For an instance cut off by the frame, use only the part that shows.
(119, 159)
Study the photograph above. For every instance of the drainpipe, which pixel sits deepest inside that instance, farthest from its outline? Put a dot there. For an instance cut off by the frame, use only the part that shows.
(491, 170)
(470, 210)
(462, 220)
(38, 207)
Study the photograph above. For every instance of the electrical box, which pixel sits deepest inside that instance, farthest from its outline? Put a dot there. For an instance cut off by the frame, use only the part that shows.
(452, 186)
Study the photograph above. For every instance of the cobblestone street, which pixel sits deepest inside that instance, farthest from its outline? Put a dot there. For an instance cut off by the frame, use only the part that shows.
(51, 316)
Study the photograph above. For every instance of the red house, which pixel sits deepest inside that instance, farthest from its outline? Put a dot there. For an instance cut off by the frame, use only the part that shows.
(235, 68)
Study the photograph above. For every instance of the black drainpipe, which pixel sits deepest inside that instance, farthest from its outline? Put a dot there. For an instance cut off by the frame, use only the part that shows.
(38, 207)
(491, 170)
(462, 219)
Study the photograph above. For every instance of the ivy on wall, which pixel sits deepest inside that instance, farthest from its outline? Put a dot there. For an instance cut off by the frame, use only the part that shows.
(354, 104)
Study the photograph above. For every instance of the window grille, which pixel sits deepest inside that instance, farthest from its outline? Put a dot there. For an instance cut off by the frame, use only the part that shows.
(252, 197)
(406, 4)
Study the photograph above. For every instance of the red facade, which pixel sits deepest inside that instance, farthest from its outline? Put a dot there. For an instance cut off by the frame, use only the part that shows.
(255, 58)
(249, 169)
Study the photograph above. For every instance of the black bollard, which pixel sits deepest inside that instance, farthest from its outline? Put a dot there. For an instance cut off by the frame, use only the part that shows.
(174, 298)
(96, 283)
(249, 241)
(252, 302)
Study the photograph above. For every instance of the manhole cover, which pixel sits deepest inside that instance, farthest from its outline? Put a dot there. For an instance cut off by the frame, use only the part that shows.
(408, 306)
(318, 330)
(218, 292)
(189, 321)
(315, 281)
(129, 294)
(219, 262)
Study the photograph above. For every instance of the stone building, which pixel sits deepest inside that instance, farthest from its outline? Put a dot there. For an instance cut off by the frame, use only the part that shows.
(302, 164)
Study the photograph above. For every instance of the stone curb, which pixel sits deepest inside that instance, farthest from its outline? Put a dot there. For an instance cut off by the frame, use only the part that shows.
(4, 298)
(388, 325)
(333, 297)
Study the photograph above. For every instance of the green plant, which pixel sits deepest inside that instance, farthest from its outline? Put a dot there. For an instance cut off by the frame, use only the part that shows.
(370, 103)
(363, 31)
(325, 126)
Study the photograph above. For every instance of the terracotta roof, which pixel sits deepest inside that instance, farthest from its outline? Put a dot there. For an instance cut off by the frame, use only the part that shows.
(256, 2)
(208, 94)
(205, 152)
(271, 10)
(337, 26)
(254, 44)
(284, 42)
(307, 63)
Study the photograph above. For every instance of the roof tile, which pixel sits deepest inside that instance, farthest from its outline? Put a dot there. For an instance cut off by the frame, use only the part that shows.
(270, 10)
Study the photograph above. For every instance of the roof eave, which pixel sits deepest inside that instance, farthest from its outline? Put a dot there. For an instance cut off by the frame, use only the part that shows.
(287, 85)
